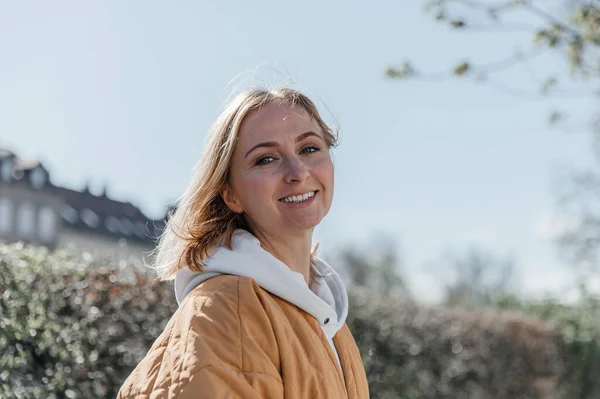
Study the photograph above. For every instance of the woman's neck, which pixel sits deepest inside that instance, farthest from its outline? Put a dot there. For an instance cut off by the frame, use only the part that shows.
(292, 250)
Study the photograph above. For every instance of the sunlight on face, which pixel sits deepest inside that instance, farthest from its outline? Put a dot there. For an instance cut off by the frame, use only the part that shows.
(280, 159)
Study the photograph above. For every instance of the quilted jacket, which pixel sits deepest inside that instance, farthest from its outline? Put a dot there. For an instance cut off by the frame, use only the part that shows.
(261, 347)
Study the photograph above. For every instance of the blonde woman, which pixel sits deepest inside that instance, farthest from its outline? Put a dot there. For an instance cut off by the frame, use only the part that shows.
(260, 316)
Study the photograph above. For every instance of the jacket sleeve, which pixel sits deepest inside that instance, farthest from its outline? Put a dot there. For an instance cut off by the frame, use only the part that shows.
(227, 348)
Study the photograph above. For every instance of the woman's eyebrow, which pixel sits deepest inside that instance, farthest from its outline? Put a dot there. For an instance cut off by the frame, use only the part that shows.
(272, 144)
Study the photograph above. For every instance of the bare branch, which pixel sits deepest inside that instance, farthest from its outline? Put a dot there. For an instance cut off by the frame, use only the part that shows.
(497, 27)
(523, 94)
(548, 17)
(464, 67)
(511, 60)
(498, 7)
(570, 30)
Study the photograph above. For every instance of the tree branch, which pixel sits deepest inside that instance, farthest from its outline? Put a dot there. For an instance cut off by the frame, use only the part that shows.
(523, 94)
(511, 60)
(548, 17)
(478, 6)
(497, 27)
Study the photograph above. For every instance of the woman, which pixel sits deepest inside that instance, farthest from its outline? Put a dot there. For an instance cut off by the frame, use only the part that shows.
(260, 316)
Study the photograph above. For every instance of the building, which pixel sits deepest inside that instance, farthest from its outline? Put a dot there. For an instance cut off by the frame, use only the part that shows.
(34, 210)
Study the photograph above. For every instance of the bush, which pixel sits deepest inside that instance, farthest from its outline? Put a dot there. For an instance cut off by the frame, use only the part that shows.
(579, 327)
(74, 327)
(412, 351)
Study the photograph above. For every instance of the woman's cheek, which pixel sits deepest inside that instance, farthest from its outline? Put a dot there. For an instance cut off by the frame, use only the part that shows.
(325, 167)
(262, 180)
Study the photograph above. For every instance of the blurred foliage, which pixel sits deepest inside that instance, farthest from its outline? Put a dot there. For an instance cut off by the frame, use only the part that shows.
(377, 269)
(578, 223)
(479, 278)
(579, 326)
(519, 349)
(567, 28)
(419, 352)
(75, 327)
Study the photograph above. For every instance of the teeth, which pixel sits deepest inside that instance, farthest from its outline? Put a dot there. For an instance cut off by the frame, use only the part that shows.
(299, 198)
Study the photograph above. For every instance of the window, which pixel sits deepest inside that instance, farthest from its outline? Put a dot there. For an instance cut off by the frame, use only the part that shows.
(38, 177)
(26, 221)
(127, 226)
(140, 229)
(6, 170)
(90, 218)
(112, 224)
(47, 221)
(5, 216)
(69, 214)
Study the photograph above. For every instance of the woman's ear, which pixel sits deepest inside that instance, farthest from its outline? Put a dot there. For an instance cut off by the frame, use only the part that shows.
(230, 199)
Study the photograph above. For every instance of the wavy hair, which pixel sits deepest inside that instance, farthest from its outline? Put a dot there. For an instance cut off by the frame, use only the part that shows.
(201, 219)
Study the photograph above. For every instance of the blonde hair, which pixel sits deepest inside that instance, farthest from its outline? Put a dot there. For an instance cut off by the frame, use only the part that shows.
(202, 219)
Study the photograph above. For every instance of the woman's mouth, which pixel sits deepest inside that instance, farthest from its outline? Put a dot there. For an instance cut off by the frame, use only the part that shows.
(296, 199)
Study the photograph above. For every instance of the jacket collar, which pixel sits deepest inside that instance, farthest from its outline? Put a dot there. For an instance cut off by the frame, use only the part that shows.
(325, 299)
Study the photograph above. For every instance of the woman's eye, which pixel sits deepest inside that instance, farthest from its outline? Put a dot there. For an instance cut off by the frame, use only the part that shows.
(310, 149)
(268, 159)
(264, 160)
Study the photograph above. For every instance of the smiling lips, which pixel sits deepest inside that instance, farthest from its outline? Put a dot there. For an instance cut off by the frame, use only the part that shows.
(299, 198)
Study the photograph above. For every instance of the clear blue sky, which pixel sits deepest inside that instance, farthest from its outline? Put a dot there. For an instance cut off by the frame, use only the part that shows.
(124, 92)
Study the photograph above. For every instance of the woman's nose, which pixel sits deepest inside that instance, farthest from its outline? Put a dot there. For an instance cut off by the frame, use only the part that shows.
(296, 171)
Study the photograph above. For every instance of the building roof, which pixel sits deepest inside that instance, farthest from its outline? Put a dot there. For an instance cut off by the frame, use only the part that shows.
(87, 212)
(4, 153)
(27, 164)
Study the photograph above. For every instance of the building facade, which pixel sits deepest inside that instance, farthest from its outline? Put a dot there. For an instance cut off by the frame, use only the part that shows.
(33, 210)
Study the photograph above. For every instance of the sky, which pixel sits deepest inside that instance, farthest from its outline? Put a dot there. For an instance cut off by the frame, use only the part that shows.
(123, 93)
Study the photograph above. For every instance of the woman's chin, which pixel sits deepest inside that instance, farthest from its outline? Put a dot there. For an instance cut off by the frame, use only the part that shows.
(305, 223)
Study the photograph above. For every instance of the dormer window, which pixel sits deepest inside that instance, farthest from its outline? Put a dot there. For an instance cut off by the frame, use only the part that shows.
(112, 224)
(69, 214)
(127, 226)
(90, 218)
(38, 177)
(140, 229)
(6, 169)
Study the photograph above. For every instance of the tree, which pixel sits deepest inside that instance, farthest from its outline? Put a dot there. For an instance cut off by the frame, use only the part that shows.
(376, 269)
(569, 30)
(579, 239)
(479, 278)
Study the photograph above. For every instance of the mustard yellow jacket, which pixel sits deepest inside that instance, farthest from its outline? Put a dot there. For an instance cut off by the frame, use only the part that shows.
(232, 339)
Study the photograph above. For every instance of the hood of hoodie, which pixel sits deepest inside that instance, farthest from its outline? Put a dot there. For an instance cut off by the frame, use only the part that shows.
(325, 299)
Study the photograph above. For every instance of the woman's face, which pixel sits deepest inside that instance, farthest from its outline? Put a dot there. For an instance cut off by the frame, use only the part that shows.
(281, 173)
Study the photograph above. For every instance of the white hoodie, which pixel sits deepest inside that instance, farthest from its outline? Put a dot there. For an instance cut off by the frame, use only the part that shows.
(326, 298)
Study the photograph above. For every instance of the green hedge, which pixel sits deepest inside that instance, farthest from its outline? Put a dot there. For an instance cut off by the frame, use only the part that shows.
(74, 327)
(412, 351)
(579, 328)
